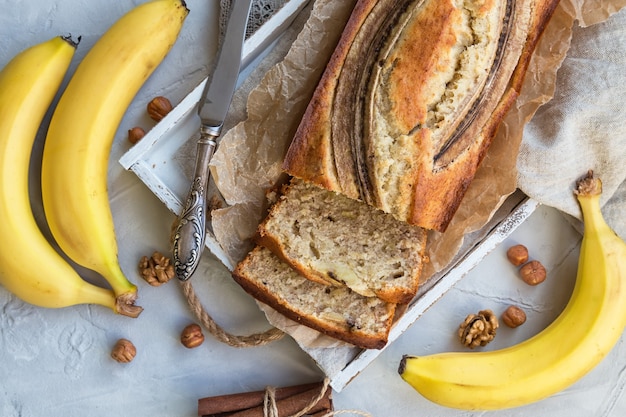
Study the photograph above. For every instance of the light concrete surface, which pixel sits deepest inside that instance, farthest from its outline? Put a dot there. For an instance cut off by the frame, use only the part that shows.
(56, 362)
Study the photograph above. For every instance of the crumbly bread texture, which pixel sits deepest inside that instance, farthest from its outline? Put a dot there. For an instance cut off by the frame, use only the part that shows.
(411, 100)
(336, 240)
(335, 311)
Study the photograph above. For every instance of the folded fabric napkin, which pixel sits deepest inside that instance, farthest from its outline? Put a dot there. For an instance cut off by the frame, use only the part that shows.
(583, 127)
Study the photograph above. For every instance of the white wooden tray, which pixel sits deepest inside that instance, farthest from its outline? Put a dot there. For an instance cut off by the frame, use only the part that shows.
(515, 210)
(154, 161)
(153, 158)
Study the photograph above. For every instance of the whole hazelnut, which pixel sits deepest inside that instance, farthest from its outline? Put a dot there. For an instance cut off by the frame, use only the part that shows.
(135, 134)
(517, 255)
(158, 108)
(513, 316)
(124, 351)
(533, 273)
(192, 336)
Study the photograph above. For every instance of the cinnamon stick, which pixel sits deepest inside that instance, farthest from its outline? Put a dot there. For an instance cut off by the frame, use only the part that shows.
(212, 406)
(291, 405)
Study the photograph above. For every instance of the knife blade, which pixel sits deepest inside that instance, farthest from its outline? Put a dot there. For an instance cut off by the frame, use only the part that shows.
(190, 233)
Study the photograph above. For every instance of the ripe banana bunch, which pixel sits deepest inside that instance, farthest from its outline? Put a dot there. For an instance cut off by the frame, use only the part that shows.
(30, 267)
(582, 335)
(81, 133)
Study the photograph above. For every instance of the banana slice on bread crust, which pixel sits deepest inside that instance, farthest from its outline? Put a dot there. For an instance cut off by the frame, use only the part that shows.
(411, 100)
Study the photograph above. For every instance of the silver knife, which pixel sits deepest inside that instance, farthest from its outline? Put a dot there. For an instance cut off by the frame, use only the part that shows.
(190, 233)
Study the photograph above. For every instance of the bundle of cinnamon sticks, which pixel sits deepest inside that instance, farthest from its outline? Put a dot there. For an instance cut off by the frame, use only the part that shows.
(288, 400)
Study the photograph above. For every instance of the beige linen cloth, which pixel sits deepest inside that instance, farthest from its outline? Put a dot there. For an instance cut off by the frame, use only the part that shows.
(584, 125)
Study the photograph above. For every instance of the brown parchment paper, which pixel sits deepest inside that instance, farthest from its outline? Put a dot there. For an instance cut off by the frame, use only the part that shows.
(248, 160)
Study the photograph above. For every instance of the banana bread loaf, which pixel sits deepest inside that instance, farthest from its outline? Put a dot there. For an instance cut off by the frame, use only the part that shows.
(335, 311)
(411, 100)
(335, 240)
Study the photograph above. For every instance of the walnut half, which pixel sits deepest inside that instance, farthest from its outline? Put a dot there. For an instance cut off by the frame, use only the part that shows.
(478, 329)
(157, 269)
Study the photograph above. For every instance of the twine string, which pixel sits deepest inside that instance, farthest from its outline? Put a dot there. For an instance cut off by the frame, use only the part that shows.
(271, 410)
(257, 339)
(315, 400)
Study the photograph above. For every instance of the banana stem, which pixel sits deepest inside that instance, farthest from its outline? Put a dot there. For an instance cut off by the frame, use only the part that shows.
(588, 191)
(125, 291)
(125, 305)
(588, 186)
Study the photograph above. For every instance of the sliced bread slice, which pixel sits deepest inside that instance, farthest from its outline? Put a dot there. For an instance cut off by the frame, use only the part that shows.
(335, 311)
(333, 239)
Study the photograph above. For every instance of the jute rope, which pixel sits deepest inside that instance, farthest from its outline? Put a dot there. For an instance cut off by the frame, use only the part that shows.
(270, 408)
(216, 330)
(192, 299)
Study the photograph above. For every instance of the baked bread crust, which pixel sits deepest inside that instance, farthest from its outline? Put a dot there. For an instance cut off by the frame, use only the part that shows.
(338, 312)
(411, 99)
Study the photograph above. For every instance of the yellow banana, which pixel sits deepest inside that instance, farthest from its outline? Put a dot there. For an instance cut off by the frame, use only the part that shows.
(81, 133)
(30, 267)
(582, 335)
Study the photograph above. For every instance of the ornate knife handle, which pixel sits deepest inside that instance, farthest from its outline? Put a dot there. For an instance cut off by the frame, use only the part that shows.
(190, 234)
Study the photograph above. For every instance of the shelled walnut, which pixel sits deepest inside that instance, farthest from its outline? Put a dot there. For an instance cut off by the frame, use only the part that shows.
(478, 329)
(157, 269)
